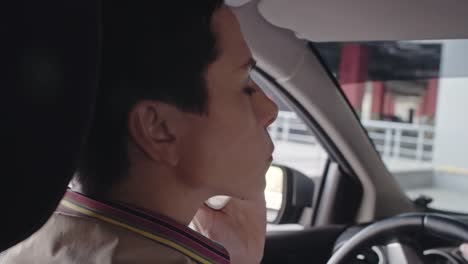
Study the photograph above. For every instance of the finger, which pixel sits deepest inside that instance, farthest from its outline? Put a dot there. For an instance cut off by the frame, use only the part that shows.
(201, 214)
(196, 224)
(234, 206)
(464, 250)
(205, 217)
(244, 208)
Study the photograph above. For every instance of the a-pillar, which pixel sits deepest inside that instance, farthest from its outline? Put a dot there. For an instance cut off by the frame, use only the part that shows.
(428, 107)
(353, 73)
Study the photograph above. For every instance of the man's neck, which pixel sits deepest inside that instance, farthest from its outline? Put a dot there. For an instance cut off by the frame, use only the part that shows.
(163, 195)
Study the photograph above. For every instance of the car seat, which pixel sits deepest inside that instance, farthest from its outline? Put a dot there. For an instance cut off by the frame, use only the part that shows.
(48, 78)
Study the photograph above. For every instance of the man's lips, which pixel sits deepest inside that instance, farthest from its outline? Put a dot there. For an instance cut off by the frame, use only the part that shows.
(271, 146)
(271, 153)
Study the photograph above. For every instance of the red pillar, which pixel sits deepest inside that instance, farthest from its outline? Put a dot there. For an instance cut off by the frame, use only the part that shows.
(428, 105)
(353, 73)
(432, 93)
(389, 105)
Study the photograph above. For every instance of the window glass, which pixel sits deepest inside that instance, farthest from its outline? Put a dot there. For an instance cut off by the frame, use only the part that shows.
(296, 146)
(411, 97)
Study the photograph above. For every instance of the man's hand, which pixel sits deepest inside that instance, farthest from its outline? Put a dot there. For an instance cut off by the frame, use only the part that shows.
(240, 227)
(464, 251)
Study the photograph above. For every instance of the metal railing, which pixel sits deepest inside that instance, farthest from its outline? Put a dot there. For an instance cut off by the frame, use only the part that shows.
(289, 127)
(401, 140)
(391, 139)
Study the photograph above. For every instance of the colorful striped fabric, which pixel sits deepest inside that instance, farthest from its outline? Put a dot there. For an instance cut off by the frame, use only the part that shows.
(157, 228)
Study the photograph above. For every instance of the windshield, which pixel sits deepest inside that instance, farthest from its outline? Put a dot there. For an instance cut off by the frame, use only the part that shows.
(411, 97)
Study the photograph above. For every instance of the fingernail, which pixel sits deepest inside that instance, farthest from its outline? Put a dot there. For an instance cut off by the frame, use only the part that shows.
(464, 248)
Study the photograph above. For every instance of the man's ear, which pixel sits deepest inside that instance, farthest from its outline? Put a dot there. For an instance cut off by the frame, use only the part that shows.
(149, 129)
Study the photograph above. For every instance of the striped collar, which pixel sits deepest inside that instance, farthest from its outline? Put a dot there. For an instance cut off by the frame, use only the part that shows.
(154, 227)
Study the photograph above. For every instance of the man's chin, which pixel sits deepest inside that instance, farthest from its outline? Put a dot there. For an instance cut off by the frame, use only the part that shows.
(259, 191)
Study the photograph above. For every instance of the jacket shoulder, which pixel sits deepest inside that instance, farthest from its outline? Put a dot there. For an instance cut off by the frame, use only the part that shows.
(70, 239)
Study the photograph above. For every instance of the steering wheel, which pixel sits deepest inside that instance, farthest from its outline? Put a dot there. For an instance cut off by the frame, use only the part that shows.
(432, 224)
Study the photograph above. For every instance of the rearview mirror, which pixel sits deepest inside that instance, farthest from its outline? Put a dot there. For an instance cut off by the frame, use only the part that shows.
(287, 193)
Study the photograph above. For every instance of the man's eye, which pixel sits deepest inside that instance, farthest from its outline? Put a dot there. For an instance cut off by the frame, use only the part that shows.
(249, 90)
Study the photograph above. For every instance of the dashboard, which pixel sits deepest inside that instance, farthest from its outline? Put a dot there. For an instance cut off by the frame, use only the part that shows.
(402, 254)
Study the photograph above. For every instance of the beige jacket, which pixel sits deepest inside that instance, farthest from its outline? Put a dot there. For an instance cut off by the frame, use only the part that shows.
(85, 230)
(76, 240)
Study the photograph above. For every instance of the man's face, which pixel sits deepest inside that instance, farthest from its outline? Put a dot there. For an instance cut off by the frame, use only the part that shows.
(228, 151)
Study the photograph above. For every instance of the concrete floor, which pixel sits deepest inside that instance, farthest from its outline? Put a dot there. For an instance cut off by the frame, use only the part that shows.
(311, 159)
(444, 199)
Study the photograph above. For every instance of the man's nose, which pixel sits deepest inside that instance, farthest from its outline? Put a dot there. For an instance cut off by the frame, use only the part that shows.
(269, 111)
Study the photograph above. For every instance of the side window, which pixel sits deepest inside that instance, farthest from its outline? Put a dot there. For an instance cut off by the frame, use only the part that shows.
(296, 146)
(411, 98)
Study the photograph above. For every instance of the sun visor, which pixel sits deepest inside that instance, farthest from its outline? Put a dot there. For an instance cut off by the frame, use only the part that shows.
(369, 20)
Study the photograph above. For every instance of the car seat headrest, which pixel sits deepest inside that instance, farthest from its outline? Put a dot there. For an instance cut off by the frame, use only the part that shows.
(48, 79)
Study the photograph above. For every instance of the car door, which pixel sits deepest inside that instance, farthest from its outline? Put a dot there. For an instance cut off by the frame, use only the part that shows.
(278, 33)
(302, 146)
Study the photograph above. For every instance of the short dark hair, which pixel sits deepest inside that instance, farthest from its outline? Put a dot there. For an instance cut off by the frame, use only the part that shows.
(152, 50)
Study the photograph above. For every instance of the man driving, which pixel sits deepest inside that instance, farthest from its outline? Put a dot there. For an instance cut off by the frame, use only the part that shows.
(178, 121)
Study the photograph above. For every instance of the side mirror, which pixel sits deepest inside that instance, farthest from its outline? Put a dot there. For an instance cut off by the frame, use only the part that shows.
(287, 193)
